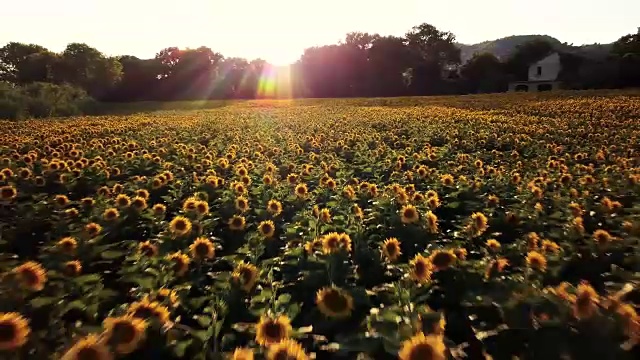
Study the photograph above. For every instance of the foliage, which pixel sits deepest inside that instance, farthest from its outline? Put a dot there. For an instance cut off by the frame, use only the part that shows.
(43, 100)
(477, 226)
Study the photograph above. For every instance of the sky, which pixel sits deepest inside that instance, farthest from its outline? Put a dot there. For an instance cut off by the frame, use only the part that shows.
(279, 30)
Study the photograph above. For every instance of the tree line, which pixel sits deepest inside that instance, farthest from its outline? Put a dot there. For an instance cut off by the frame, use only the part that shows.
(426, 61)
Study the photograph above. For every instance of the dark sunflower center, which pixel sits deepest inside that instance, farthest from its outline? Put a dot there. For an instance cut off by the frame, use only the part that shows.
(144, 312)
(7, 332)
(409, 213)
(7, 193)
(88, 353)
(124, 332)
(29, 277)
(335, 301)
(181, 225)
(273, 330)
(147, 249)
(392, 249)
(421, 268)
(201, 208)
(202, 249)
(282, 355)
(333, 242)
(246, 275)
(178, 264)
(442, 260)
(421, 352)
(237, 222)
(266, 229)
(138, 203)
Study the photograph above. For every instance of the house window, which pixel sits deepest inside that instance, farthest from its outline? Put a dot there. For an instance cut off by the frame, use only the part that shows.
(539, 71)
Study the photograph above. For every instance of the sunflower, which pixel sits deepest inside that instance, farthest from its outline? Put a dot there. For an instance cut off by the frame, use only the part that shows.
(447, 180)
(325, 215)
(180, 226)
(8, 193)
(139, 203)
(334, 302)
(202, 208)
(147, 248)
(87, 202)
(493, 245)
(72, 268)
(272, 330)
(461, 253)
(67, 245)
(202, 248)
(549, 246)
(267, 228)
(586, 299)
(274, 207)
(421, 347)
(237, 222)
(167, 295)
(267, 179)
(111, 214)
(242, 204)
(146, 309)
(31, 275)
(345, 241)
(391, 249)
(420, 269)
(14, 331)
(578, 224)
(242, 354)
(357, 211)
(301, 190)
(123, 200)
(432, 222)
(602, 237)
(409, 214)
(61, 200)
(442, 259)
(159, 209)
(478, 224)
(89, 347)
(536, 261)
(287, 349)
(143, 194)
(93, 229)
(189, 205)
(493, 201)
(348, 192)
(246, 275)
(180, 263)
(331, 243)
(124, 333)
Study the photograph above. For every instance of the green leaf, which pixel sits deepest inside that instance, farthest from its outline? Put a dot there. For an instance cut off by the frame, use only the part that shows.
(42, 301)
(284, 299)
(112, 254)
(204, 320)
(76, 304)
(201, 335)
(181, 347)
(143, 282)
(89, 278)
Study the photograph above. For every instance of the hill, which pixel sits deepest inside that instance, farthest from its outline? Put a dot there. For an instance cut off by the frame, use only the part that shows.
(504, 47)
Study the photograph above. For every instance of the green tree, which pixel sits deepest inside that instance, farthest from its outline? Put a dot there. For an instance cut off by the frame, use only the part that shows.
(484, 73)
(24, 63)
(526, 54)
(86, 67)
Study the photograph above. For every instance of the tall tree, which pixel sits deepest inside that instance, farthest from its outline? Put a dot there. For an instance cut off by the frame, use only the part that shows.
(25, 63)
(526, 54)
(86, 67)
(484, 73)
(435, 54)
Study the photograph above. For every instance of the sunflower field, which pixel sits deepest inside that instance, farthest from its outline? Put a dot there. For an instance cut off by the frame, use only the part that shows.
(479, 227)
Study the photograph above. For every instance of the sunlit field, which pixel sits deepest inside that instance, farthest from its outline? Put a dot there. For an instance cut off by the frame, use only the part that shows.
(415, 228)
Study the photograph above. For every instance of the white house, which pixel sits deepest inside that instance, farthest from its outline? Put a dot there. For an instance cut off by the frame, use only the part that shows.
(542, 76)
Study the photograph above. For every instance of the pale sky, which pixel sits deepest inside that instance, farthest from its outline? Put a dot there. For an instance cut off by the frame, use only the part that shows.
(279, 30)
